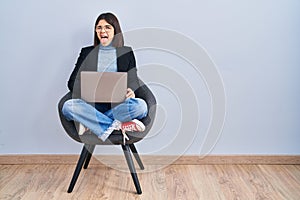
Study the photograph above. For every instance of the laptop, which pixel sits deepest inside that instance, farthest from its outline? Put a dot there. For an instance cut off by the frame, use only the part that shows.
(103, 87)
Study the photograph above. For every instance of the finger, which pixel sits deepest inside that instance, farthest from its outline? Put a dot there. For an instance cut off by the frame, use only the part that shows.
(128, 94)
(129, 90)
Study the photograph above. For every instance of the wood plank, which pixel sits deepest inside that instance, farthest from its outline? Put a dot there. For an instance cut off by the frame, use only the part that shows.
(155, 160)
(172, 182)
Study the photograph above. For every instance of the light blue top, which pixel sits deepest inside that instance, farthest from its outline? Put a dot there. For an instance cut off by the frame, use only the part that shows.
(107, 59)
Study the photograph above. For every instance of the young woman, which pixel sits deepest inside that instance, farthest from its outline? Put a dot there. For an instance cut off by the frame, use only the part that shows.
(107, 54)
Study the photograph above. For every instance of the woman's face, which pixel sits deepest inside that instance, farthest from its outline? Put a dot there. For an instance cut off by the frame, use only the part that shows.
(105, 32)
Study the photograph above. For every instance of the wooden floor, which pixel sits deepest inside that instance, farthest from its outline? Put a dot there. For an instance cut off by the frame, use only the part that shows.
(172, 182)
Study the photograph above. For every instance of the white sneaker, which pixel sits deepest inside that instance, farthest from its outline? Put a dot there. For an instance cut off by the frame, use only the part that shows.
(82, 129)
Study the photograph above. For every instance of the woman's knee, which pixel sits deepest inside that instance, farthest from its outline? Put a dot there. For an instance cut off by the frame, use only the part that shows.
(69, 105)
(140, 106)
(143, 105)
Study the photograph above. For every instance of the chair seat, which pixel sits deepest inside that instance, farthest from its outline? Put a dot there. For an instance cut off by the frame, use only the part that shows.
(114, 139)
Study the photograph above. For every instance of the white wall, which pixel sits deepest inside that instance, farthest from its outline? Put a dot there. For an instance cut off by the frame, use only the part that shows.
(254, 44)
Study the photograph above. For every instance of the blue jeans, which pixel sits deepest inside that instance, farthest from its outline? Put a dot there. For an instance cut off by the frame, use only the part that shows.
(100, 123)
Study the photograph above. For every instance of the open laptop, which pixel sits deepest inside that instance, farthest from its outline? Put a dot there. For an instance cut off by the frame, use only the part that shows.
(103, 87)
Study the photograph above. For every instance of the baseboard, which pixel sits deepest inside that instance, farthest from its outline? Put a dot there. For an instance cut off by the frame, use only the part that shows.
(154, 160)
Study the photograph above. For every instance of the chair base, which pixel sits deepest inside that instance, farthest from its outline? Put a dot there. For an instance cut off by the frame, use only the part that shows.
(86, 155)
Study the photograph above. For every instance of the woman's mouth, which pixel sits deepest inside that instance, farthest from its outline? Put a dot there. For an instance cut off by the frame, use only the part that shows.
(104, 39)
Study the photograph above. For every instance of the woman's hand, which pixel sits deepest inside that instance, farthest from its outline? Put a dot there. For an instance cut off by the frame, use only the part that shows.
(130, 93)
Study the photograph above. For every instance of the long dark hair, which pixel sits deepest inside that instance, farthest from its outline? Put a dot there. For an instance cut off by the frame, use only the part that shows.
(110, 18)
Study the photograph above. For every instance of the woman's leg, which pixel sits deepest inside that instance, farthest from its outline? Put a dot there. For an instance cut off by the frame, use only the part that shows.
(132, 108)
(127, 113)
(82, 112)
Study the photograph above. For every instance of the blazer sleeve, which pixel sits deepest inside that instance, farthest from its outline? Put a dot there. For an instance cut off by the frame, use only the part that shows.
(133, 81)
(83, 53)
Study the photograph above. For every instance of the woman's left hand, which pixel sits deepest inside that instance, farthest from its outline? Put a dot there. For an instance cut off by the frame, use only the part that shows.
(130, 93)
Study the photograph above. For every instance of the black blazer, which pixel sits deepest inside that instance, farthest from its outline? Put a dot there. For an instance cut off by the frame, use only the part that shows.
(88, 61)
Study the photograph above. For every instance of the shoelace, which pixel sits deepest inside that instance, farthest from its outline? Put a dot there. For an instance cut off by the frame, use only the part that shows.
(124, 136)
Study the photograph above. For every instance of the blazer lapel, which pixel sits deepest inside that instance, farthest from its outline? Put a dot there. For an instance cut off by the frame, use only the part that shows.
(118, 59)
(122, 59)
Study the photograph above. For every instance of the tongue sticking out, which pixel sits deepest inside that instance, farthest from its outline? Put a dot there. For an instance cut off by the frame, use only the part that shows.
(104, 39)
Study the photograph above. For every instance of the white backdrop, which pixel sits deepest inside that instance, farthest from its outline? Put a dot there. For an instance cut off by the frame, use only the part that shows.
(254, 44)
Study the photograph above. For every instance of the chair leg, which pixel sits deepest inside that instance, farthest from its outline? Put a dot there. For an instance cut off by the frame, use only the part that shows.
(89, 155)
(78, 168)
(130, 163)
(136, 155)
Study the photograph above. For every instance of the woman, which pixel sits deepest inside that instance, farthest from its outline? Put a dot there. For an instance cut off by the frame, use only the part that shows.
(107, 54)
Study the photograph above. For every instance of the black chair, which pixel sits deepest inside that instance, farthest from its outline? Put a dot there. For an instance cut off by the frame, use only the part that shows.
(116, 138)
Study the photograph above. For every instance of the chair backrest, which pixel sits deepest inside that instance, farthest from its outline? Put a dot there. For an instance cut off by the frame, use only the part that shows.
(142, 92)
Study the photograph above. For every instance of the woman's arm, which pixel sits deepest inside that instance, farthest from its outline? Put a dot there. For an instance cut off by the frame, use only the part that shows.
(133, 81)
(83, 53)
